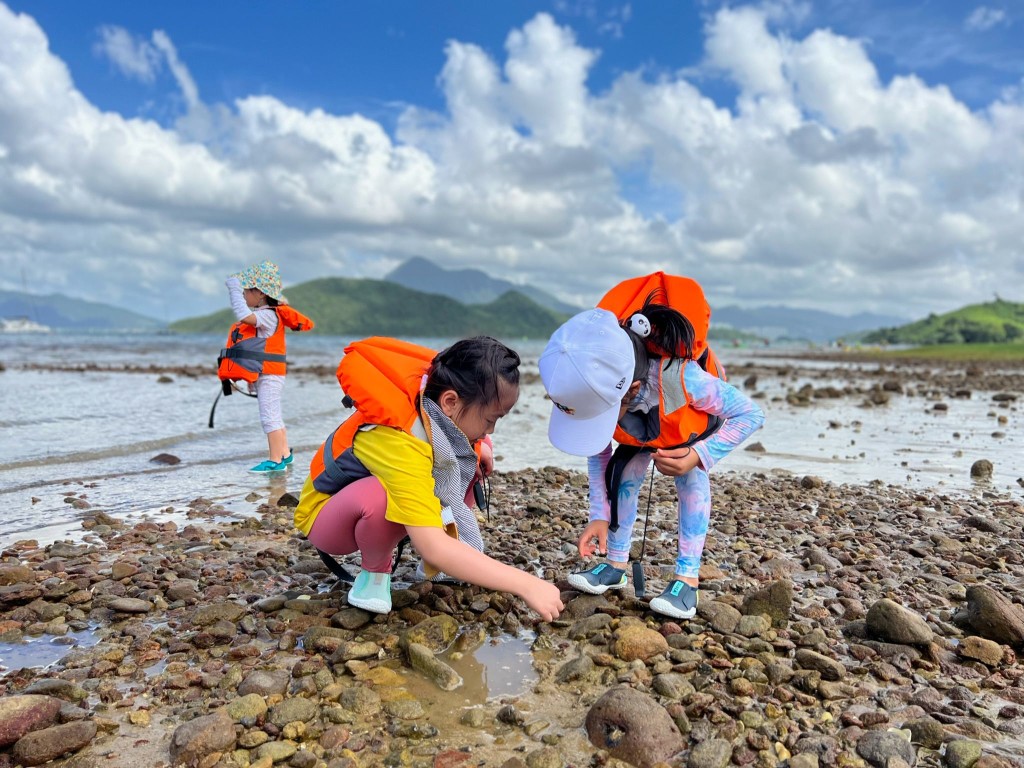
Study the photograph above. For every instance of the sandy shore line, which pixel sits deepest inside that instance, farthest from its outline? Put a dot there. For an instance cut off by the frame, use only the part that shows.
(838, 625)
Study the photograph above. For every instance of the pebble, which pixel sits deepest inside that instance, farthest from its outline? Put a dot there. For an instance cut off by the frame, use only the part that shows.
(242, 658)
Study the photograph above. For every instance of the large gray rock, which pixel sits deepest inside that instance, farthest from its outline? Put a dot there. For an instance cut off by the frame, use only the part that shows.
(879, 747)
(993, 616)
(265, 682)
(15, 574)
(776, 600)
(634, 727)
(58, 688)
(130, 605)
(295, 709)
(890, 621)
(423, 660)
(194, 740)
(830, 669)
(21, 714)
(206, 615)
(713, 753)
(42, 746)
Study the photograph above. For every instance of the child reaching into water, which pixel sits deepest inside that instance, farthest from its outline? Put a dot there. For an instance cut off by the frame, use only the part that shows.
(256, 348)
(638, 369)
(404, 462)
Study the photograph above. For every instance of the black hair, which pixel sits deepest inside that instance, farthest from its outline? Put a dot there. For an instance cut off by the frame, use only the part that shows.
(672, 335)
(271, 302)
(473, 368)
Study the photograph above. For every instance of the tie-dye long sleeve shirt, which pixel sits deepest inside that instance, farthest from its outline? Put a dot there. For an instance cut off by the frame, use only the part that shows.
(707, 393)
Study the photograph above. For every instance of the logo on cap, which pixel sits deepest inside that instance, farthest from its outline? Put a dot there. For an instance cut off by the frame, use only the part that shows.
(565, 409)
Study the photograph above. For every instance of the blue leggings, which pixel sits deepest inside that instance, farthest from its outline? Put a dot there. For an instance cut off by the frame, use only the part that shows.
(694, 489)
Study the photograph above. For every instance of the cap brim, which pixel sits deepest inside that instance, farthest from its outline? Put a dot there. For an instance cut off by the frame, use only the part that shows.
(582, 437)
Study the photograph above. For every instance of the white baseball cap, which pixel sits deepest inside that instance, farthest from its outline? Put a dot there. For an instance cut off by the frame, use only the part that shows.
(587, 368)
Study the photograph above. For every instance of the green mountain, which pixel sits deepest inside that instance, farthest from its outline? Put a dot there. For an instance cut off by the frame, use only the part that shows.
(59, 311)
(995, 321)
(352, 307)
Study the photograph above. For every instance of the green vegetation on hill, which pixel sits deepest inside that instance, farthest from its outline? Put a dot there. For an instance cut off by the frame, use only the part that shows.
(722, 334)
(350, 307)
(994, 322)
(64, 312)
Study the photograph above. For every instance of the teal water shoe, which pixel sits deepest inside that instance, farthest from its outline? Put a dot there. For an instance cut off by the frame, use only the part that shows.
(371, 592)
(269, 466)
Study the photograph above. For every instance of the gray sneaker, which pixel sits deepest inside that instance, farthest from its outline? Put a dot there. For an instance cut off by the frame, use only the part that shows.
(598, 579)
(679, 600)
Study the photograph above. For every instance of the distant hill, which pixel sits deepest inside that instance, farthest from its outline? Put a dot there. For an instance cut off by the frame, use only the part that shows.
(779, 322)
(469, 286)
(353, 307)
(59, 311)
(995, 321)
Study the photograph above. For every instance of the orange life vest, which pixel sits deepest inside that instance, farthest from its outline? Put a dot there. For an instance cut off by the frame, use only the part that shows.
(679, 422)
(382, 379)
(246, 355)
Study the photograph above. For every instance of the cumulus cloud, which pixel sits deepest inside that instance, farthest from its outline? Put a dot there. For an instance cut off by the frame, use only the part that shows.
(822, 185)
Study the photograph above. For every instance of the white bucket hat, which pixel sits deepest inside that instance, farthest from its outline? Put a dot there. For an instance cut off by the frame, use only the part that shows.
(587, 368)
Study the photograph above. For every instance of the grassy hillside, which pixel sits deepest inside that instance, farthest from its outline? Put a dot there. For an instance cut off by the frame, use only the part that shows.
(994, 322)
(1010, 352)
(350, 307)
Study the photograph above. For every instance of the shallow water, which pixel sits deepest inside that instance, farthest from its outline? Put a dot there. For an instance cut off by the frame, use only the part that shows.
(41, 652)
(501, 666)
(89, 435)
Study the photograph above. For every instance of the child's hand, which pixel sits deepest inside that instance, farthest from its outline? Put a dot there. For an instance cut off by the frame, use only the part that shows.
(544, 598)
(675, 462)
(596, 529)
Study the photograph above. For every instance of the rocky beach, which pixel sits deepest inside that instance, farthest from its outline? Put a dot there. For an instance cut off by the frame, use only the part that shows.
(866, 624)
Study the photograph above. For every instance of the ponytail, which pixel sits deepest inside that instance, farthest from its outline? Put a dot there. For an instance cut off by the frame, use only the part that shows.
(672, 335)
(473, 368)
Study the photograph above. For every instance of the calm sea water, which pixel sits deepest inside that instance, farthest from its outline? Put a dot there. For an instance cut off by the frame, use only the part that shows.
(92, 434)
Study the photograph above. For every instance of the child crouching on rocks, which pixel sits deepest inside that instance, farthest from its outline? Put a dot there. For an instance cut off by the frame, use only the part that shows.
(404, 462)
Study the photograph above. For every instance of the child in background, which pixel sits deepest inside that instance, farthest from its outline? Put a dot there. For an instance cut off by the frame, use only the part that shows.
(255, 351)
(404, 462)
(631, 371)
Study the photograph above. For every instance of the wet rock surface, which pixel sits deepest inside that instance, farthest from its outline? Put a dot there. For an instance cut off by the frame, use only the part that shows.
(837, 625)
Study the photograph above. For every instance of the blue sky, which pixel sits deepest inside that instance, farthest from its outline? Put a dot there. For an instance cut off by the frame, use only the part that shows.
(857, 155)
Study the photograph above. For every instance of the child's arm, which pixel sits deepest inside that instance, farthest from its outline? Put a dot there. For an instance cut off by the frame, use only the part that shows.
(461, 561)
(594, 539)
(742, 415)
(242, 311)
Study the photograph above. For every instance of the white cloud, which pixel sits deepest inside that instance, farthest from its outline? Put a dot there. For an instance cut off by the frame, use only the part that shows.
(181, 74)
(134, 57)
(821, 185)
(984, 18)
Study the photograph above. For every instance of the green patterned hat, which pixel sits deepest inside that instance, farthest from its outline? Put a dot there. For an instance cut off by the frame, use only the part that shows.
(265, 276)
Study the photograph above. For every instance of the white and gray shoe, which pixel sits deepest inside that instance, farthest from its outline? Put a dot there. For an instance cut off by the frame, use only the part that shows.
(679, 600)
(599, 579)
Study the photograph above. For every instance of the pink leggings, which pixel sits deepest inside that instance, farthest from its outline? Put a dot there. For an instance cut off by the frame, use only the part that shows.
(353, 520)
